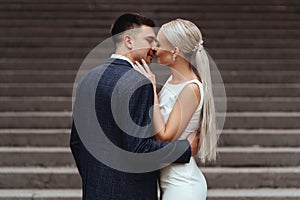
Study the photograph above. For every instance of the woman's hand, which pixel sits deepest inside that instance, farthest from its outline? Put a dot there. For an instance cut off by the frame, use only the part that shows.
(145, 70)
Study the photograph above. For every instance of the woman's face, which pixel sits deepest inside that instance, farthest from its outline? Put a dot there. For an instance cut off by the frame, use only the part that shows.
(165, 50)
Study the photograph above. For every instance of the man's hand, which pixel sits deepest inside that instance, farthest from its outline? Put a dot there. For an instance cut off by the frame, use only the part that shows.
(194, 142)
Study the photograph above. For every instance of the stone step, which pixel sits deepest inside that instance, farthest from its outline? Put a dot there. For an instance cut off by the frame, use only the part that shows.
(66, 30)
(64, 64)
(66, 52)
(227, 156)
(88, 28)
(33, 89)
(45, 52)
(213, 194)
(35, 120)
(257, 156)
(232, 90)
(18, 42)
(162, 13)
(228, 138)
(36, 156)
(260, 76)
(234, 120)
(261, 90)
(252, 177)
(59, 65)
(260, 137)
(258, 64)
(257, 104)
(39, 178)
(234, 104)
(30, 76)
(262, 120)
(254, 194)
(250, 43)
(160, 6)
(244, 33)
(258, 53)
(217, 177)
(35, 104)
(35, 137)
(37, 76)
(40, 194)
(204, 2)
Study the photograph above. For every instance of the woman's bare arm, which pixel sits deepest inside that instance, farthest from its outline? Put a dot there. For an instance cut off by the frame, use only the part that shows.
(182, 112)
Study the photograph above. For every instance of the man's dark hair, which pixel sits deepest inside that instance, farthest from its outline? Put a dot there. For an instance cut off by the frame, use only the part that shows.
(129, 21)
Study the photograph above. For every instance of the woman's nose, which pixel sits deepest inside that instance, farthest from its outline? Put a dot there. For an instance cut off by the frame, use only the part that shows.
(154, 47)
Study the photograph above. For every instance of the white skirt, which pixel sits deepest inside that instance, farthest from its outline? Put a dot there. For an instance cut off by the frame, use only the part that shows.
(183, 181)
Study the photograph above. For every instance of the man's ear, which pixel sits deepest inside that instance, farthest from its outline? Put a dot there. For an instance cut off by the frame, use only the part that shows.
(128, 41)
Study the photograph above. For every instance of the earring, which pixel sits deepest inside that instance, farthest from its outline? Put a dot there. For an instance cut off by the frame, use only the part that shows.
(174, 53)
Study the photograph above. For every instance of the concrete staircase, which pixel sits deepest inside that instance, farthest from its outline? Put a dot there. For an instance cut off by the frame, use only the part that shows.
(256, 45)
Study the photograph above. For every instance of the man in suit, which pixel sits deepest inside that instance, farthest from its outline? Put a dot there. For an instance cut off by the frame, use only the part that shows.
(112, 138)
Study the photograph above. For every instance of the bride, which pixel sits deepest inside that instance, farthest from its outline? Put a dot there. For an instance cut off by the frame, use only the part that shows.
(184, 104)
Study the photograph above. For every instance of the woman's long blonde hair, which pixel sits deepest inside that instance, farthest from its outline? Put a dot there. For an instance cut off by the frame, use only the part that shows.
(187, 37)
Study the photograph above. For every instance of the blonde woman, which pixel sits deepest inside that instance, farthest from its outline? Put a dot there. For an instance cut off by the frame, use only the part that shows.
(184, 105)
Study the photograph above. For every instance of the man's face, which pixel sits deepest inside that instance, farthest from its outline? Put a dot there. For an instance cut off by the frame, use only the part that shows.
(144, 44)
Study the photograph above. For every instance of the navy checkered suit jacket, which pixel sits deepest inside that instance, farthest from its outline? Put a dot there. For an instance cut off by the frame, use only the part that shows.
(117, 80)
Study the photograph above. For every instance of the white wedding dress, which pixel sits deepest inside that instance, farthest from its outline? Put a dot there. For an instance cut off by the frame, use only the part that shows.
(181, 181)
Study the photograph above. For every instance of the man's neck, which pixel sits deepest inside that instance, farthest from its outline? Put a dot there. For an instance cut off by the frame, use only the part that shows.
(127, 55)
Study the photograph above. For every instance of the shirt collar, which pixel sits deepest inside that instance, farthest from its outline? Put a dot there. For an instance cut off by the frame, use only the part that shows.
(117, 56)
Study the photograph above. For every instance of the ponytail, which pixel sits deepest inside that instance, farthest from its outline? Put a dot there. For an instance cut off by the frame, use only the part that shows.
(208, 129)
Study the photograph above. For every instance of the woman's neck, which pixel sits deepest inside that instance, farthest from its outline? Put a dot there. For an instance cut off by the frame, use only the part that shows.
(182, 72)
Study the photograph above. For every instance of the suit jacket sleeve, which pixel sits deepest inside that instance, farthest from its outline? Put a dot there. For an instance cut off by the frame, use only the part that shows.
(75, 145)
(140, 108)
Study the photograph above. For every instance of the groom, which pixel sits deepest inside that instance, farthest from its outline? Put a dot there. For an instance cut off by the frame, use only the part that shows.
(112, 138)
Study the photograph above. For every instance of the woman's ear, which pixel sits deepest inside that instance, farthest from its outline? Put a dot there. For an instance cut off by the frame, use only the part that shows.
(175, 53)
(128, 41)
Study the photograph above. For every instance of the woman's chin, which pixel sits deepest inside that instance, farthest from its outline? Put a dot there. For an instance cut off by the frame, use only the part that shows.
(162, 63)
(159, 61)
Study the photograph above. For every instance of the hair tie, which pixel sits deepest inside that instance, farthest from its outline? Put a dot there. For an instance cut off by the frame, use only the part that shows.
(199, 46)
